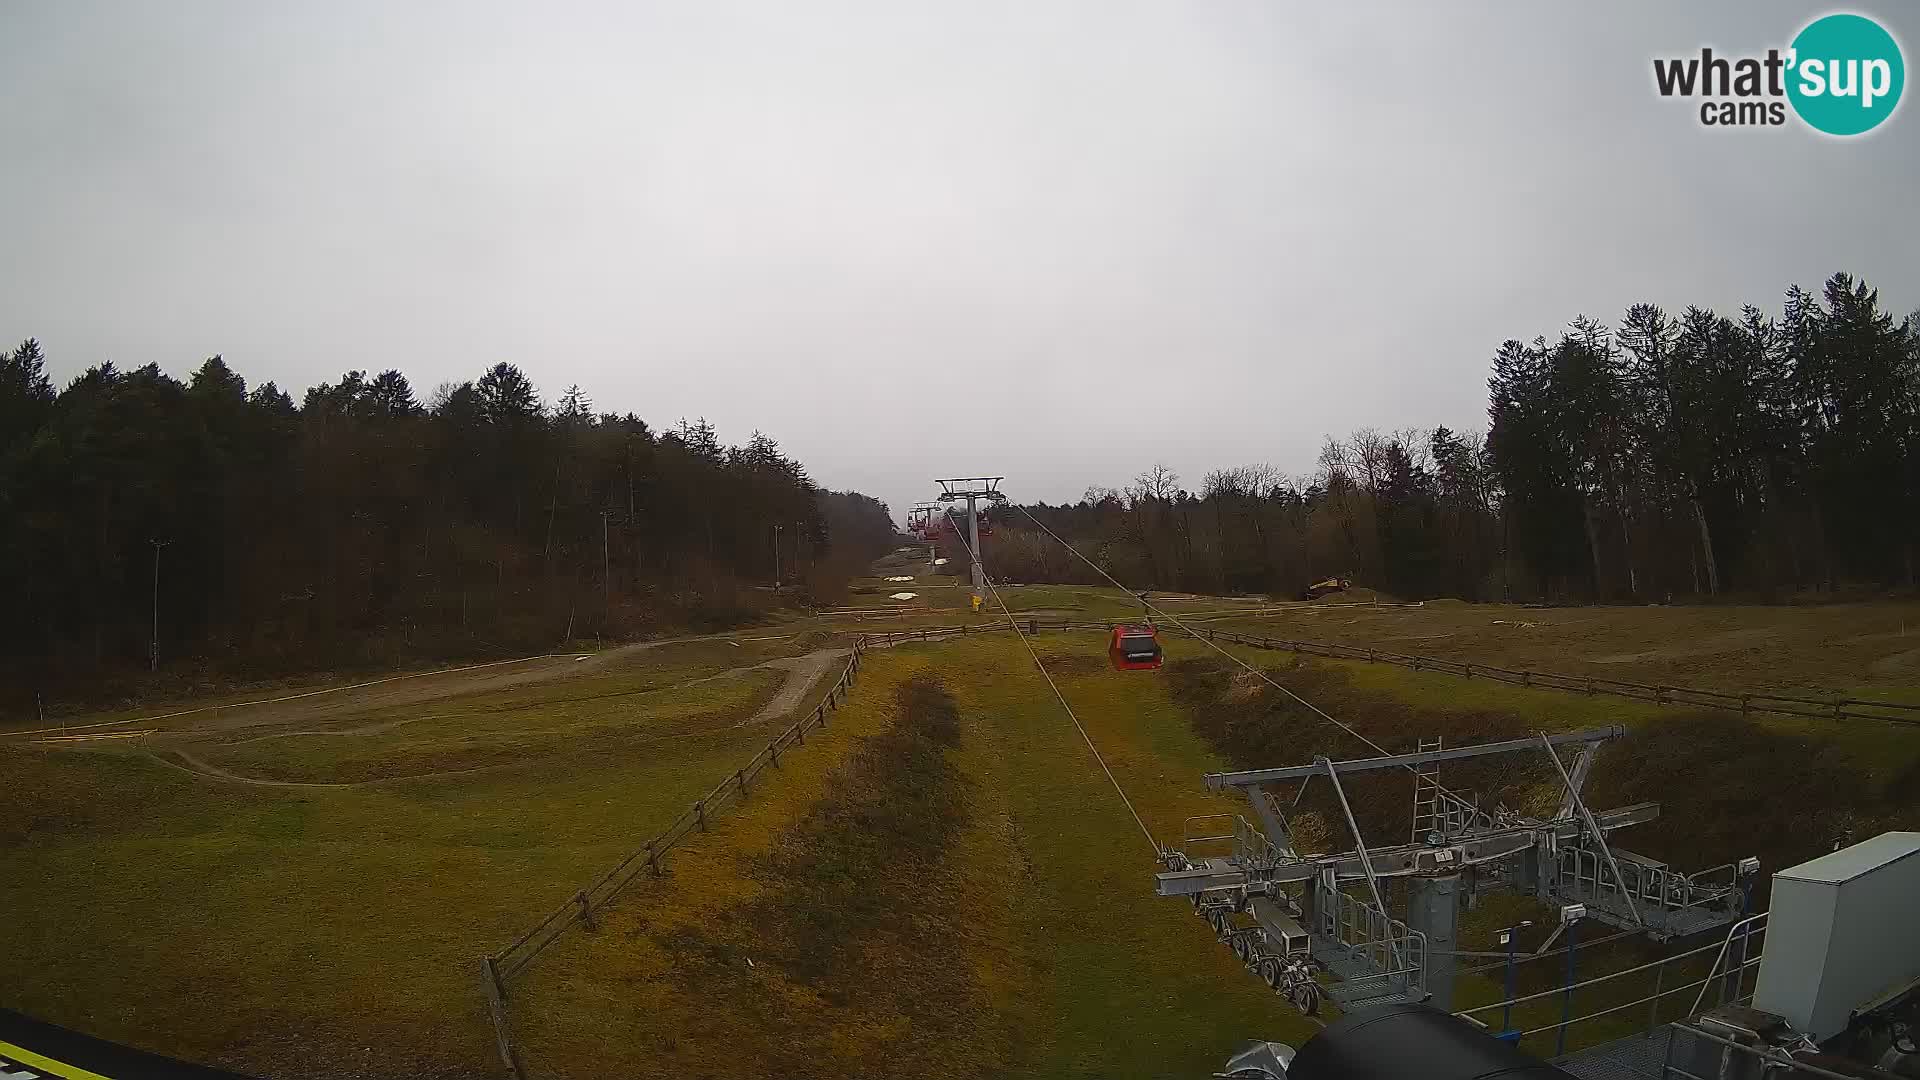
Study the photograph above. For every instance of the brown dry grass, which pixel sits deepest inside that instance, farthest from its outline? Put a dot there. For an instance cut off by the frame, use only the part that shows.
(1866, 647)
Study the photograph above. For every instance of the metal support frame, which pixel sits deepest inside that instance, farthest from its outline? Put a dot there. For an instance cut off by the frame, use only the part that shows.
(1582, 765)
(1360, 848)
(1218, 781)
(1594, 830)
(1357, 939)
(1433, 908)
(1403, 859)
(1268, 811)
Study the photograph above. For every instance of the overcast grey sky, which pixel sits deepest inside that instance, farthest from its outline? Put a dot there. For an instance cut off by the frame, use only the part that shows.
(1053, 240)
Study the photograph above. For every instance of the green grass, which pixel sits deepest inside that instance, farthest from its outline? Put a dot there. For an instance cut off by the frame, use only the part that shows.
(1038, 912)
(484, 733)
(310, 932)
(1129, 984)
(287, 932)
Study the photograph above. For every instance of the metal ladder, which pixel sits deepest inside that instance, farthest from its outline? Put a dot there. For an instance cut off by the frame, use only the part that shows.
(1426, 793)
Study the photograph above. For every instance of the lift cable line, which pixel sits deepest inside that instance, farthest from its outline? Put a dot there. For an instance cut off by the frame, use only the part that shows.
(1288, 915)
(1210, 643)
(1031, 651)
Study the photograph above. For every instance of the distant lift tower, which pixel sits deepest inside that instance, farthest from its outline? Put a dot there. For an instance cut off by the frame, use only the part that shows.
(920, 520)
(974, 489)
(1291, 916)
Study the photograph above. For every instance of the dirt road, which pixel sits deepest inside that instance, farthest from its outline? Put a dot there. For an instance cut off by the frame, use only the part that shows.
(171, 748)
(391, 691)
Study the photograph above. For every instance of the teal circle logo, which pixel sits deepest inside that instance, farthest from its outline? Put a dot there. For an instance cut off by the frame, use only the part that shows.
(1846, 74)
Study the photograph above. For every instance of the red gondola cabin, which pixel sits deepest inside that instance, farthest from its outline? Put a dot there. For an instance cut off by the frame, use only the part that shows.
(1134, 647)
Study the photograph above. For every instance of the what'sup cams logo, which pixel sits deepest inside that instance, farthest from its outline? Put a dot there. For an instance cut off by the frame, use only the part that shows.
(1842, 76)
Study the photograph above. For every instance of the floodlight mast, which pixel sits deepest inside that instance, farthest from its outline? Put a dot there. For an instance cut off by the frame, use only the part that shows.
(973, 489)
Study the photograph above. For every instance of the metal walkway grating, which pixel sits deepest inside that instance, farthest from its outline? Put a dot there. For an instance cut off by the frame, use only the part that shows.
(1357, 983)
(1636, 1057)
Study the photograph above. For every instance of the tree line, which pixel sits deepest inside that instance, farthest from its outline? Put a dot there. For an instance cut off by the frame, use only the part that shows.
(362, 525)
(1692, 456)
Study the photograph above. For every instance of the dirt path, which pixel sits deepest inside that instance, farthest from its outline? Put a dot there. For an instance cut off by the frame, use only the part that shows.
(801, 671)
(186, 762)
(398, 690)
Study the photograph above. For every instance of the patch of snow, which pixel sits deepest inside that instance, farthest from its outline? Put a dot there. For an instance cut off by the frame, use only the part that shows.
(939, 562)
(902, 577)
(904, 595)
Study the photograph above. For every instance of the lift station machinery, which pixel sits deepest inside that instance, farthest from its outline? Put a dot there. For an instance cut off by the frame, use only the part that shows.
(1289, 915)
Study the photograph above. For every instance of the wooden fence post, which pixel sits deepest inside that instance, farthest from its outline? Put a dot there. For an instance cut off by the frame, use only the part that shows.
(497, 1009)
(653, 860)
(490, 971)
(700, 814)
(1746, 704)
(586, 911)
(1469, 668)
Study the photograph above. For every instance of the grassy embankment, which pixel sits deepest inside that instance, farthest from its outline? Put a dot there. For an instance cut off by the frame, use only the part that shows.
(299, 932)
(1013, 932)
(295, 932)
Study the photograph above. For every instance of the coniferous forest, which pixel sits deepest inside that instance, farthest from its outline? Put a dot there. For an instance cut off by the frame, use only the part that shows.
(247, 532)
(1760, 456)
(1765, 455)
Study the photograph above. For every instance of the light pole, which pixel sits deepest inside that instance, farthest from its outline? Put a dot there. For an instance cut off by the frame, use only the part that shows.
(776, 557)
(1570, 917)
(1748, 871)
(1508, 938)
(153, 646)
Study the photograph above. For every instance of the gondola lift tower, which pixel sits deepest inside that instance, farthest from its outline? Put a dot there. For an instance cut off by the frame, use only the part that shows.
(974, 489)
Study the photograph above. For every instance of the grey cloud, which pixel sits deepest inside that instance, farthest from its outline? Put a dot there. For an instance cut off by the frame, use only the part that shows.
(1057, 241)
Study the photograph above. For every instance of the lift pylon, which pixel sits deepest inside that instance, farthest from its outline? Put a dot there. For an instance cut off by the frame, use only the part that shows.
(973, 489)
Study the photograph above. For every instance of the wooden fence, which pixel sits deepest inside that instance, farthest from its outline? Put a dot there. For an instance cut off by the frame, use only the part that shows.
(1744, 702)
(498, 969)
